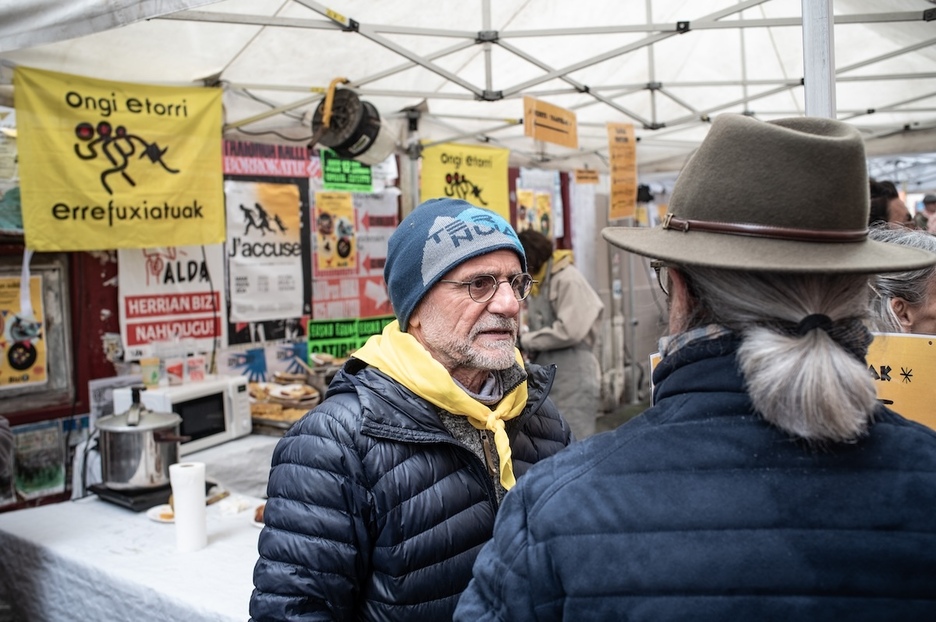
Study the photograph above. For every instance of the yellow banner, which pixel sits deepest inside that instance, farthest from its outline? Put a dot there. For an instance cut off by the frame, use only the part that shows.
(901, 366)
(542, 121)
(476, 174)
(108, 165)
(622, 148)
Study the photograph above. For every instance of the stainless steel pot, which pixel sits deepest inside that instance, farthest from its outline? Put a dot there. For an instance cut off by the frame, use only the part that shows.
(138, 446)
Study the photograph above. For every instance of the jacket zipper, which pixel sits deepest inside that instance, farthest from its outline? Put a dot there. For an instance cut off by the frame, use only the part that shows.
(488, 455)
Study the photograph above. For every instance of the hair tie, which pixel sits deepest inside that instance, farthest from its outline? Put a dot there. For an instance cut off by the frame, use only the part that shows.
(810, 322)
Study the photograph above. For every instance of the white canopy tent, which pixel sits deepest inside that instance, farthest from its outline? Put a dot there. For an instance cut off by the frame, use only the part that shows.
(454, 71)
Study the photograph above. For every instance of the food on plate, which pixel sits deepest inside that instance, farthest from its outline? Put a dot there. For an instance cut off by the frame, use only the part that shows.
(258, 390)
(258, 513)
(166, 514)
(265, 409)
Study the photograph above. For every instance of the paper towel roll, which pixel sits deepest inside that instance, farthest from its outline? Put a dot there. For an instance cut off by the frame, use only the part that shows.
(188, 501)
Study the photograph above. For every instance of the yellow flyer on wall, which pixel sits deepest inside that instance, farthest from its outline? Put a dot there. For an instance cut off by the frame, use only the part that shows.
(334, 231)
(901, 366)
(22, 344)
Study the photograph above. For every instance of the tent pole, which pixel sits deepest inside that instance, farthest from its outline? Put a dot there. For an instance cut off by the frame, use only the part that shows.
(819, 58)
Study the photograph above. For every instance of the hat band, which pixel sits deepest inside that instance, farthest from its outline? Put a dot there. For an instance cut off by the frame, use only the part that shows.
(765, 231)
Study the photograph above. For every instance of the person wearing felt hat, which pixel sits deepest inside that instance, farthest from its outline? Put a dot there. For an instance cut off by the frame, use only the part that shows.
(381, 497)
(766, 481)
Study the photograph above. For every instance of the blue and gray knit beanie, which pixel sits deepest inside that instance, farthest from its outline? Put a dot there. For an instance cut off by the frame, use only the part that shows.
(437, 236)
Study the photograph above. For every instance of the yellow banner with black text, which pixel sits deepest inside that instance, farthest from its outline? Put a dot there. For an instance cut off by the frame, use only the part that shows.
(107, 165)
(476, 174)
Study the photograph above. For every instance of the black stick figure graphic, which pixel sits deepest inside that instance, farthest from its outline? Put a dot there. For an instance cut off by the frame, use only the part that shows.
(264, 223)
(117, 146)
(249, 217)
(460, 186)
(279, 223)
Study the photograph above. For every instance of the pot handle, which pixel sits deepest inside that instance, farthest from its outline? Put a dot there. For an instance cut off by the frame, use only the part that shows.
(168, 437)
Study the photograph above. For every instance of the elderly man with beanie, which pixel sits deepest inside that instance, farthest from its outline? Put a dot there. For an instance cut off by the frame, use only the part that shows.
(382, 496)
(766, 481)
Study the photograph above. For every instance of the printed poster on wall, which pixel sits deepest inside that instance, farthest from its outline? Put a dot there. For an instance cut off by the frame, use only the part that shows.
(22, 343)
(475, 174)
(358, 291)
(534, 212)
(622, 148)
(168, 293)
(333, 216)
(344, 174)
(546, 215)
(117, 165)
(901, 365)
(264, 250)
(39, 459)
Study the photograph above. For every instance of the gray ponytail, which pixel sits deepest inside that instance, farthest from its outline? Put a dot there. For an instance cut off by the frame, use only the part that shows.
(815, 386)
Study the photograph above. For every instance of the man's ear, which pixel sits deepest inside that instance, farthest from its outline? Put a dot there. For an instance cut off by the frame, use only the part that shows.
(904, 312)
(680, 302)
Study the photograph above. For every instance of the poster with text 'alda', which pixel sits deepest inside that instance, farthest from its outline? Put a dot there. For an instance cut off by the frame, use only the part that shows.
(170, 293)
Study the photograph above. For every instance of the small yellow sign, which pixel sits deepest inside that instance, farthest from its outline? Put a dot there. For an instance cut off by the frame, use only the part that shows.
(622, 147)
(900, 365)
(550, 123)
(586, 176)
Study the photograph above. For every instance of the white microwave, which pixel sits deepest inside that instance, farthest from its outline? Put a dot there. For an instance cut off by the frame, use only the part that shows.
(213, 411)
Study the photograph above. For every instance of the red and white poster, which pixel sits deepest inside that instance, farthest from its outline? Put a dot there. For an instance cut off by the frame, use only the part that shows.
(168, 293)
(356, 291)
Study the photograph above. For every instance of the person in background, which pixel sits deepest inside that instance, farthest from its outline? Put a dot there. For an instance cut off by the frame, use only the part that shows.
(904, 302)
(381, 497)
(924, 219)
(766, 481)
(563, 318)
(887, 206)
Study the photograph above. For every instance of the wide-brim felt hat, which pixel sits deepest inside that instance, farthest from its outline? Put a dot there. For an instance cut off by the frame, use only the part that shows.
(789, 195)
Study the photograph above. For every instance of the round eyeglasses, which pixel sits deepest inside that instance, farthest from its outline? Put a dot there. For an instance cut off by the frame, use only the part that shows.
(662, 275)
(483, 287)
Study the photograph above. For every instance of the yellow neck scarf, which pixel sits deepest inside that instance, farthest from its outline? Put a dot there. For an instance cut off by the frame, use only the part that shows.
(404, 359)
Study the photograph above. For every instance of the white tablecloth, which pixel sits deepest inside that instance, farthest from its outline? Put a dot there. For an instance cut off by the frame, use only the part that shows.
(241, 465)
(92, 560)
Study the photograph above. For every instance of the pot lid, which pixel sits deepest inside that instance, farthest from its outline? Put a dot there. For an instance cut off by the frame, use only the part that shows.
(149, 420)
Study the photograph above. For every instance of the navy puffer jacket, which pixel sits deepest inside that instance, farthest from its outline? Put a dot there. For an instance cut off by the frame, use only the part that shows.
(700, 510)
(375, 511)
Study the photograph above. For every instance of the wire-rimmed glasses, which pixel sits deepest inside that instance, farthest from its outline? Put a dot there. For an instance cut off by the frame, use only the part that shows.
(483, 287)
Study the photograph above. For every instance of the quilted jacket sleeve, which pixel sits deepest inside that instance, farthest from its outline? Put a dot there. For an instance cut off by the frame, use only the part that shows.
(503, 587)
(315, 545)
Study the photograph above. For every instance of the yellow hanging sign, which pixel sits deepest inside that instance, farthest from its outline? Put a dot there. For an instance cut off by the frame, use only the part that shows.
(543, 121)
(586, 176)
(108, 165)
(622, 147)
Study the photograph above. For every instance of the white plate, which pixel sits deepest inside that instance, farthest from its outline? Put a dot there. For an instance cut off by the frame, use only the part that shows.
(158, 513)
